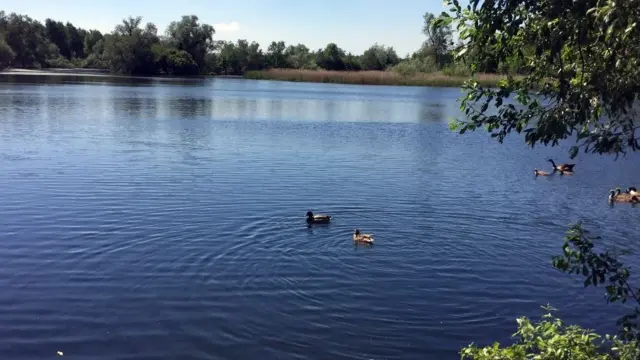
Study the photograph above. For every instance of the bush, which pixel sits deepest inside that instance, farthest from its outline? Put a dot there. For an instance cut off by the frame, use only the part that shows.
(415, 65)
(551, 339)
(59, 62)
(95, 62)
(457, 69)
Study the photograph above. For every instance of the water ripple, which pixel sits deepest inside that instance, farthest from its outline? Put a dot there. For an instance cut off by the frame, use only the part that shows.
(135, 228)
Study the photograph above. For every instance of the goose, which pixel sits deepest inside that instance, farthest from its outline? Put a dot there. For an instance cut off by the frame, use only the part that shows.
(617, 196)
(541, 173)
(561, 167)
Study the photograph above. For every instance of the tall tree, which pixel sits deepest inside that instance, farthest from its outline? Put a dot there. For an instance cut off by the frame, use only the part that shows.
(91, 40)
(129, 48)
(331, 57)
(28, 40)
(75, 40)
(438, 37)
(275, 55)
(191, 36)
(297, 55)
(56, 32)
(379, 57)
(6, 54)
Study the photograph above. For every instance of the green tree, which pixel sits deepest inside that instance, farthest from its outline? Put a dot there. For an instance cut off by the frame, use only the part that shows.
(56, 33)
(191, 36)
(581, 83)
(75, 40)
(28, 40)
(172, 61)
(275, 55)
(331, 57)
(438, 37)
(255, 57)
(379, 57)
(92, 39)
(297, 56)
(128, 49)
(352, 62)
(6, 54)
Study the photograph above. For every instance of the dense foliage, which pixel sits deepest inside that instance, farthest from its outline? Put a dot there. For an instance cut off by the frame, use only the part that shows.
(579, 79)
(189, 47)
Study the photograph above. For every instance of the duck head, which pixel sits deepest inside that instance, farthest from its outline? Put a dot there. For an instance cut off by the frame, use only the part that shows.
(356, 232)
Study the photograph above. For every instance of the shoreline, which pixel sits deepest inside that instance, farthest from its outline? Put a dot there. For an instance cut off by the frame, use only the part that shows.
(103, 73)
(387, 78)
(379, 78)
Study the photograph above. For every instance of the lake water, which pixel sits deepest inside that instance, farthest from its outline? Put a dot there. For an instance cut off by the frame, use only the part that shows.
(149, 219)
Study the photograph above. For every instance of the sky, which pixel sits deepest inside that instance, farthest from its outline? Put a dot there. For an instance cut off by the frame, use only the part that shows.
(354, 25)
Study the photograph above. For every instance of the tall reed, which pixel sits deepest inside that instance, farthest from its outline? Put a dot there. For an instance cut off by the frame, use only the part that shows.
(371, 77)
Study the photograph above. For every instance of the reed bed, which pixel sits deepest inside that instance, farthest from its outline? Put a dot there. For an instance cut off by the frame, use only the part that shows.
(371, 77)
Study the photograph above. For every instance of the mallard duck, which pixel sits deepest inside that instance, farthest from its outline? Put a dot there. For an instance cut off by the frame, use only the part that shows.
(540, 173)
(317, 219)
(357, 236)
(632, 191)
(617, 196)
(562, 167)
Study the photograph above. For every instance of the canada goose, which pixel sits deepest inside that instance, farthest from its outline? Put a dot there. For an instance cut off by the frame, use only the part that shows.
(541, 173)
(317, 219)
(632, 190)
(357, 236)
(617, 196)
(561, 167)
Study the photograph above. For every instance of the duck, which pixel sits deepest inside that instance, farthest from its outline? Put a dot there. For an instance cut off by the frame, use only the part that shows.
(617, 196)
(633, 191)
(357, 236)
(317, 219)
(541, 173)
(561, 167)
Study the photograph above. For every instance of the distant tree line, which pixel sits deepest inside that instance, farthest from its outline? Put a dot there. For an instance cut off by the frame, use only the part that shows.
(188, 48)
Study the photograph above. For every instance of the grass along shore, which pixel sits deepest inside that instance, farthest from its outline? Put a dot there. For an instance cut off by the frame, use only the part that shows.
(371, 77)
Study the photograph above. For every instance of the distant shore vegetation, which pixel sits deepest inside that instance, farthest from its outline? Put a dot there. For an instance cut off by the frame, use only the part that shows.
(188, 47)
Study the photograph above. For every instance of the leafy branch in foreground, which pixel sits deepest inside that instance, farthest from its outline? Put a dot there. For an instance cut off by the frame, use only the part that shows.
(585, 67)
(579, 256)
(581, 79)
(551, 339)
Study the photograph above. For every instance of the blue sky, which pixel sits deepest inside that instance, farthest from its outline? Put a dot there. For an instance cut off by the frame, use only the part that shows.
(352, 24)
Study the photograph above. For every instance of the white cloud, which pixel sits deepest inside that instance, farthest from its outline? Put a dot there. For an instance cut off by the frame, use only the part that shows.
(232, 26)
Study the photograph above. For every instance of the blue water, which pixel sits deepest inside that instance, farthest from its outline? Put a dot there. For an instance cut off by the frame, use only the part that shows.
(165, 219)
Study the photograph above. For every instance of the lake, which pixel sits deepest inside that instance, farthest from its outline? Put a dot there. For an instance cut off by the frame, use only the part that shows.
(156, 219)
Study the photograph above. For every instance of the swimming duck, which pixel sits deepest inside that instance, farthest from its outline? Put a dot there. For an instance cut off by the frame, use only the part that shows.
(357, 236)
(562, 167)
(632, 191)
(617, 196)
(541, 173)
(317, 219)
